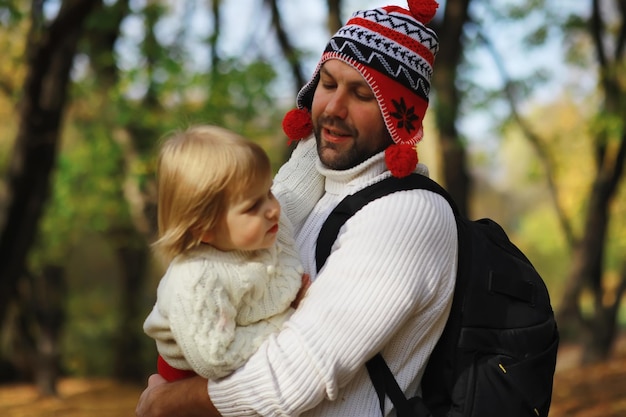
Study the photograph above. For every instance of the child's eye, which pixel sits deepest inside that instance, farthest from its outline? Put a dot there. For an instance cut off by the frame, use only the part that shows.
(253, 207)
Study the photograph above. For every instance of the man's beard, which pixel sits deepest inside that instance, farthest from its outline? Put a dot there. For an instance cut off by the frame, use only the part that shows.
(344, 160)
(351, 156)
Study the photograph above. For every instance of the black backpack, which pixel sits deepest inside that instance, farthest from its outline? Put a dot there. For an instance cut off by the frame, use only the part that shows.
(497, 354)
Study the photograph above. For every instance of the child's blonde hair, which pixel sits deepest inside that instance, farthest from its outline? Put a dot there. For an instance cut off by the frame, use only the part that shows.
(198, 171)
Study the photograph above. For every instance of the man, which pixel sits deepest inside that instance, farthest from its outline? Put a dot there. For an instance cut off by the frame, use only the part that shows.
(387, 284)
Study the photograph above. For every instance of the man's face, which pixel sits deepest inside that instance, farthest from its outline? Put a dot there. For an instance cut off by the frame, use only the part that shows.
(347, 121)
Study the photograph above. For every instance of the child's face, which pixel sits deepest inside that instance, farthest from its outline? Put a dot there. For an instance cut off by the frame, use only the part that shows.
(250, 221)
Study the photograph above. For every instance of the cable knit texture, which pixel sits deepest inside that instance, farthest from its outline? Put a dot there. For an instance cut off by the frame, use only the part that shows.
(214, 308)
(386, 286)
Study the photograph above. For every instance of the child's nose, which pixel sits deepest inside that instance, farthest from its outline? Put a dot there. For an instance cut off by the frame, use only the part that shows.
(274, 210)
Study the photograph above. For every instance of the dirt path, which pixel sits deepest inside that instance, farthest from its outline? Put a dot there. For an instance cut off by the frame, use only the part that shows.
(77, 398)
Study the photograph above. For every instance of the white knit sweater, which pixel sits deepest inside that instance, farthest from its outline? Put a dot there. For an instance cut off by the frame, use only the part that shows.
(386, 286)
(215, 308)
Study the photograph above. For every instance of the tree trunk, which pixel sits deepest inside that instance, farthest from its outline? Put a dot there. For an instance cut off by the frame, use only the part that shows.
(34, 328)
(49, 55)
(133, 256)
(610, 155)
(446, 98)
(48, 302)
(586, 262)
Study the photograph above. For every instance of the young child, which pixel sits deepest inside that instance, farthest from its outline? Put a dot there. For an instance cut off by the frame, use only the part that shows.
(234, 273)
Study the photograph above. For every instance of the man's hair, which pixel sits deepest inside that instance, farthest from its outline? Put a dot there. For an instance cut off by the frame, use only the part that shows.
(198, 171)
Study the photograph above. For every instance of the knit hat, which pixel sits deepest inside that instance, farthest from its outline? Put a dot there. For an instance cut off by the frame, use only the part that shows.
(394, 52)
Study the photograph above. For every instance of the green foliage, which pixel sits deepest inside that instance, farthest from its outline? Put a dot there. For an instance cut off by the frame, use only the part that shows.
(609, 127)
(616, 247)
(87, 346)
(577, 45)
(541, 239)
(117, 116)
(86, 197)
(11, 12)
(92, 308)
(519, 10)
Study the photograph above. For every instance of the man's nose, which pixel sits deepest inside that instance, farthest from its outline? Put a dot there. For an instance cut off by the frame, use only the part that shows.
(336, 106)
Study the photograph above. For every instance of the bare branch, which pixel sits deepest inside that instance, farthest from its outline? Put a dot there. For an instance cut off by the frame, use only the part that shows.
(621, 38)
(597, 29)
(536, 142)
(215, 8)
(334, 16)
(288, 50)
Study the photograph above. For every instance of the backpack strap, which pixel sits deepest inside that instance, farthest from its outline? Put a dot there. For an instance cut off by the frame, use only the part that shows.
(382, 378)
(353, 203)
(379, 371)
(385, 383)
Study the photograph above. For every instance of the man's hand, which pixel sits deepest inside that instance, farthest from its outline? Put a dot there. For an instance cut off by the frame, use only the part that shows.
(184, 398)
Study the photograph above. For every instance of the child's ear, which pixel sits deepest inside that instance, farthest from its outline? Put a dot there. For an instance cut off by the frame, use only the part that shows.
(207, 237)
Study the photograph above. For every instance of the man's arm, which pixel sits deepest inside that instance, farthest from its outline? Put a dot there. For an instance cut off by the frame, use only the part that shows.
(390, 278)
(184, 398)
(343, 322)
(298, 185)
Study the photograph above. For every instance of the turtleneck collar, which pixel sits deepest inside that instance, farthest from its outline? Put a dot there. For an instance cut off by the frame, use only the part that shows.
(351, 180)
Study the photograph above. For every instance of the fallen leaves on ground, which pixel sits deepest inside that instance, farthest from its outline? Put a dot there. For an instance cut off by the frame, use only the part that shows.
(77, 398)
(590, 391)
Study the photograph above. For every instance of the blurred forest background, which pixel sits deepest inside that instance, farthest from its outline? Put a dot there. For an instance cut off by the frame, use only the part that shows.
(527, 125)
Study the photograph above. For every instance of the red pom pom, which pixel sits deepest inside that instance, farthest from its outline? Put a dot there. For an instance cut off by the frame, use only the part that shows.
(423, 10)
(297, 124)
(401, 159)
(170, 373)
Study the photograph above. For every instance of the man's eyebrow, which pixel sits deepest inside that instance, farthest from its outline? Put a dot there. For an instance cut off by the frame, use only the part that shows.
(325, 71)
(360, 82)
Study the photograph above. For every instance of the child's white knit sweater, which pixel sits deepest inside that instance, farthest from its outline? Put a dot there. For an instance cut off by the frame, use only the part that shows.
(386, 286)
(214, 308)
